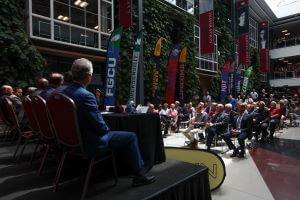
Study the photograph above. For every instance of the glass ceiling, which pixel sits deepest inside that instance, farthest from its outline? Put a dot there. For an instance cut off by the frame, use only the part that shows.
(284, 8)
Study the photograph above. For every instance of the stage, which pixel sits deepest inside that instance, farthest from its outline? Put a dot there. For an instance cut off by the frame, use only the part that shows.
(175, 180)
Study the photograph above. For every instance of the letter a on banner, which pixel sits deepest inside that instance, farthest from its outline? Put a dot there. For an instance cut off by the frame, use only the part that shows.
(135, 65)
(225, 77)
(172, 70)
(207, 26)
(156, 69)
(112, 62)
(182, 64)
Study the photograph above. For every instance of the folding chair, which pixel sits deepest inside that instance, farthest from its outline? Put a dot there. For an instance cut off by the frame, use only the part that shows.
(27, 135)
(7, 125)
(63, 114)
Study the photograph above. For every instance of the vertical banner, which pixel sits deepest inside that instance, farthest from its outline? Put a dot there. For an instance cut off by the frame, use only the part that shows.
(156, 69)
(264, 46)
(207, 26)
(224, 81)
(182, 64)
(172, 70)
(112, 62)
(247, 75)
(135, 66)
(125, 13)
(237, 81)
(243, 31)
(230, 83)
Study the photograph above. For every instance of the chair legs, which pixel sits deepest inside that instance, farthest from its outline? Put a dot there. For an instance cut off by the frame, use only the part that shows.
(115, 168)
(87, 179)
(44, 159)
(22, 151)
(59, 170)
(35, 150)
(18, 146)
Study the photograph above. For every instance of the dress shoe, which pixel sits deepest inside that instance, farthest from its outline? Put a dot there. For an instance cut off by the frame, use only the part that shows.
(241, 154)
(235, 153)
(142, 180)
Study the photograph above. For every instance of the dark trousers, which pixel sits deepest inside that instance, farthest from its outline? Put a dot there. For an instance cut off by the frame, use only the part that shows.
(261, 128)
(126, 143)
(210, 133)
(166, 120)
(241, 139)
(273, 124)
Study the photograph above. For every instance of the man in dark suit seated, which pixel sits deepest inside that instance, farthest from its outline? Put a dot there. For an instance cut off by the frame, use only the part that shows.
(96, 136)
(55, 81)
(260, 121)
(217, 126)
(240, 128)
(231, 114)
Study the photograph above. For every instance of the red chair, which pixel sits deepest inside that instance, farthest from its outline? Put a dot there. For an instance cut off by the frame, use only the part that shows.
(63, 113)
(7, 124)
(47, 135)
(27, 135)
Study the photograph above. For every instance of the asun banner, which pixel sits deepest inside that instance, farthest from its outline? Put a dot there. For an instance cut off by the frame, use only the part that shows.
(243, 31)
(135, 65)
(264, 46)
(247, 75)
(112, 62)
(207, 26)
(182, 64)
(224, 80)
(156, 69)
(172, 70)
(237, 81)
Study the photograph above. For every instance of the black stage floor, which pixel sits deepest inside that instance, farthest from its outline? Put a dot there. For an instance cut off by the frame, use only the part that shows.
(175, 180)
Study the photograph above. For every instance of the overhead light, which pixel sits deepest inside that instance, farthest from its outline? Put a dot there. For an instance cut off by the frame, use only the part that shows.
(287, 34)
(60, 17)
(65, 18)
(83, 35)
(284, 31)
(283, 38)
(290, 63)
(96, 27)
(77, 2)
(281, 59)
(83, 4)
(285, 61)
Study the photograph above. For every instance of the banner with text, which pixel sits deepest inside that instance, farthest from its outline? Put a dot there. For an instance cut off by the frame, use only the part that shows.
(156, 70)
(125, 13)
(264, 46)
(180, 76)
(247, 75)
(135, 66)
(172, 70)
(243, 31)
(112, 62)
(237, 81)
(207, 26)
(224, 81)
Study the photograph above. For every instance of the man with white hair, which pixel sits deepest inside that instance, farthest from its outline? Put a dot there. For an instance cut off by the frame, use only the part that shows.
(96, 135)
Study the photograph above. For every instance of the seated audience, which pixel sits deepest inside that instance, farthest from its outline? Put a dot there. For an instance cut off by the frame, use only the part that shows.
(41, 85)
(261, 121)
(96, 135)
(55, 81)
(165, 119)
(231, 114)
(274, 118)
(173, 114)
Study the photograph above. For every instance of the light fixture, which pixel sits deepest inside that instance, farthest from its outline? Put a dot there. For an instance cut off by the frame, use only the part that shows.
(283, 38)
(83, 4)
(83, 35)
(284, 31)
(96, 27)
(60, 17)
(281, 59)
(285, 61)
(290, 63)
(287, 34)
(65, 18)
(77, 2)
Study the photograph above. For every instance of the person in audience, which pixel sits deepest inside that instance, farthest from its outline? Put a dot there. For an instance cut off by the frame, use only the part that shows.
(231, 114)
(97, 137)
(274, 118)
(217, 126)
(249, 99)
(55, 81)
(292, 114)
(254, 95)
(30, 91)
(240, 128)
(41, 85)
(6, 91)
(151, 109)
(211, 110)
(192, 109)
(207, 97)
(165, 119)
(173, 114)
(232, 101)
(261, 121)
(196, 122)
(18, 92)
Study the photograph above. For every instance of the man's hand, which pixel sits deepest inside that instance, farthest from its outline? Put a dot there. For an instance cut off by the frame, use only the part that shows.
(254, 121)
(235, 132)
(208, 125)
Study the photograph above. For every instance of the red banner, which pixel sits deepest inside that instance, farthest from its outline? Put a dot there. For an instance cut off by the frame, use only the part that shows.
(125, 13)
(207, 32)
(264, 46)
(264, 60)
(244, 55)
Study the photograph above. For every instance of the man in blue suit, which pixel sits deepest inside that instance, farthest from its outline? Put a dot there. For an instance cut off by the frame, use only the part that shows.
(55, 80)
(96, 136)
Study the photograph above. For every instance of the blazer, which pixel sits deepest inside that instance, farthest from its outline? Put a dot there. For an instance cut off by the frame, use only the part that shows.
(91, 124)
(220, 123)
(246, 124)
(261, 115)
(45, 94)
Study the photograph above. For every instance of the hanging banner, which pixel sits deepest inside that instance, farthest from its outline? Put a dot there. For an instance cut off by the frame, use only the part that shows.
(182, 64)
(243, 31)
(247, 75)
(237, 81)
(125, 13)
(224, 81)
(230, 83)
(264, 46)
(172, 70)
(112, 62)
(207, 26)
(135, 66)
(156, 69)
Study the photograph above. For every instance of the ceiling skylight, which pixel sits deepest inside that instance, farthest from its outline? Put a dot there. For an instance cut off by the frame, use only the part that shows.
(284, 8)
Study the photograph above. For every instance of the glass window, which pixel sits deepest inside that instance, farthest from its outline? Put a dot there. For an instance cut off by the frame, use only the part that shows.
(78, 36)
(187, 5)
(253, 31)
(41, 27)
(104, 41)
(41, 7)
(106, 17)
(91, 21)
(92, 39)
(61, 32)
(61, 11)
(77, 16)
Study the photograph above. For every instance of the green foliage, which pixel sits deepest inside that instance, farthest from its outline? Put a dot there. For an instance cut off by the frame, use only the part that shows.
(255, 80)
(160, 20)
(20, 61)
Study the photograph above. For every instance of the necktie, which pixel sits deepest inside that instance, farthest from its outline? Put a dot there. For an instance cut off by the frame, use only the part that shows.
(239, 120)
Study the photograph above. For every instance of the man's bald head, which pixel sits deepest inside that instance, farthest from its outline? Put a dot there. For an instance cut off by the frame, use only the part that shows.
(42, 83)
(6, 90)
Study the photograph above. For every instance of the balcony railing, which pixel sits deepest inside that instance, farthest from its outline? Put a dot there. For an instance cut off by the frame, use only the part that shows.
(285, 43)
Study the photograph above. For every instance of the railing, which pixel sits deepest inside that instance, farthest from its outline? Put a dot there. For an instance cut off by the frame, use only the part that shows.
(285, 43)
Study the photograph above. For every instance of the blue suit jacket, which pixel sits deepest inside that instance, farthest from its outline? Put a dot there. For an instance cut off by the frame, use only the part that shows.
(91, 124)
